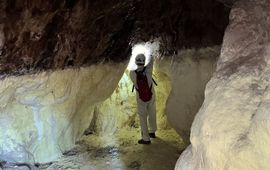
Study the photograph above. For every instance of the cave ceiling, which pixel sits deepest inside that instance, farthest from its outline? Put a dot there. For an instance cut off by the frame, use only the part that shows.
(55, 34)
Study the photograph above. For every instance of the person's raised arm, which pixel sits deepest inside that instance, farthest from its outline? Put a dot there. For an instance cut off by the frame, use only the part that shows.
(149, 70)
(149, 67)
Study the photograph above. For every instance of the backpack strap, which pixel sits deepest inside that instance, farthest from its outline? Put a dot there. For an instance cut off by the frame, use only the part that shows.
(133, 87)
(143, 69)
(154, 81)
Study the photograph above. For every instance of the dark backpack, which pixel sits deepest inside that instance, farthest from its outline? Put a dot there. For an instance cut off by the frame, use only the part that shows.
(144, 90)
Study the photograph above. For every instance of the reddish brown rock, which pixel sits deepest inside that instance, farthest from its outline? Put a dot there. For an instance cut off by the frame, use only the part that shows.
(39, 35)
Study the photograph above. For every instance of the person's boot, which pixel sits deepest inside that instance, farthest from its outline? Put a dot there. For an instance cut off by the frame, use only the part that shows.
(152, 135)
(144, 142)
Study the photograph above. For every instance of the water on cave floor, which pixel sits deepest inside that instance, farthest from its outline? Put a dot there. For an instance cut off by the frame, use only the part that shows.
(121, 152)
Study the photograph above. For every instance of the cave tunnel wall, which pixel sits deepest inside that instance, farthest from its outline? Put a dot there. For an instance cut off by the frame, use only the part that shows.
(189, 72)
(231, 129)
(43, 115)
(40, 35)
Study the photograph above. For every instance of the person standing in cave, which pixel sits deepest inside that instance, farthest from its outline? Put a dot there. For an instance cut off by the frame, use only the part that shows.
(145, 95)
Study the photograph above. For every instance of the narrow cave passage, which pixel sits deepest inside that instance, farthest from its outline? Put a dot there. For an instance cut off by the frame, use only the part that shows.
(110, 142)
(66, 100)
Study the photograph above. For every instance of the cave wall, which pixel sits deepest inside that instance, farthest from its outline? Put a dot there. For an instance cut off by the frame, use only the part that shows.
(42, 115)
(231, 130)
(55, 34)
(188, 73)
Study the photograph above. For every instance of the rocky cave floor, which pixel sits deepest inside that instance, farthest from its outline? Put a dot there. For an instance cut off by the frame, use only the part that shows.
(121, 152)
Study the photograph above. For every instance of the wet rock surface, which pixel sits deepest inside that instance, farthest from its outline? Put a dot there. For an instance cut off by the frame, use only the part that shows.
(40, 35)
(121, 151)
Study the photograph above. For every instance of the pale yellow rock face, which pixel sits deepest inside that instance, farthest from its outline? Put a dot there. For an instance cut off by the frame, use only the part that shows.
(118, 111)
(188, 73)
(42, 115)
(232, 129)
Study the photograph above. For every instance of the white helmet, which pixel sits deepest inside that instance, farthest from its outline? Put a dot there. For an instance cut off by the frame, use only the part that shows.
(140, 60)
